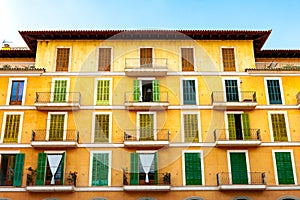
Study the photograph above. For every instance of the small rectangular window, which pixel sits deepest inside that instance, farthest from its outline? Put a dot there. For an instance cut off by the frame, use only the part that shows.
(228, 59)
(16, 94)
(187, 59)
(104, 62)
(274, 91)
(279, 127)
(12, 127)
(62, 59)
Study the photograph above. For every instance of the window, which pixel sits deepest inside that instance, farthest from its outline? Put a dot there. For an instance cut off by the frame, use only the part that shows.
(187, 59)
(100, 168)
(104, 62)
(16, 95)
(232, 90)
(103, 92)
(62, 59)
(57, 126)
(274, 91)
(146, 126)
(11, 130)
(238, 126)
(50, 169)
(279, 127)
(143, 169)
(190, 127)
(193, 168)
(146, 57)
(146, 91)
(228, 59)
(11, 169)
(284, 167)
(238, 168)
(60, 88)
(189, 92)
(102, 127)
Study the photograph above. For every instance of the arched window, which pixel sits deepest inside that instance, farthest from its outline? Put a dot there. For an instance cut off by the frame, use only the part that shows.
(193, 198)
(288, 198)
(146, 198)
(241, 198)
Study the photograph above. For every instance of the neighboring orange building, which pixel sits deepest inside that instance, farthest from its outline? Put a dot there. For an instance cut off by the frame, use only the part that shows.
(149, 114)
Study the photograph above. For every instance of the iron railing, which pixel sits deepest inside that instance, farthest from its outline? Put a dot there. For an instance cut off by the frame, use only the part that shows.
(55, 135)
(140, 179)
(69, 178)
(241, 178)
(242, 96)
(240, 134)
(139, 63)
(147, 135)
(277, 65)
(56, 97)
(163, 97)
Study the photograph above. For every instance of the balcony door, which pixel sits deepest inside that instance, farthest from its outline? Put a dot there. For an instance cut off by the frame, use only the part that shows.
(146, 57)
(238, 167)
(146, 123)
(59, 91)
(238, 126)
(146, 91)
(232, 91)
(56, 125)
(11, 169)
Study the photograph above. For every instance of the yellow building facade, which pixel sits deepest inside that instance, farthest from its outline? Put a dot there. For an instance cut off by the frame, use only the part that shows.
(190, 114)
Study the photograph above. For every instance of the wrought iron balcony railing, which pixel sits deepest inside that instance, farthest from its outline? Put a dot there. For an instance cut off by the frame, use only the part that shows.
(56, 97)
(139, 63)
(140, 179)
(241, 178)
(242, 96)
(147, 134)
(237, 134)
(68, 179)
(55, 135)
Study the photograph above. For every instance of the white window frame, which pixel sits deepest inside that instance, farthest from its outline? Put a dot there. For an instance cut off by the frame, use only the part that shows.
(182, 124)
(138, 123)
(92, 152)
(10, 89)
(4, 122)
(181, 91)
(292, 160)
(65, 123)
(70, 57)
(111, 56)
(139, 54)
(226, 120)
(267, 92)
(109, 124)
(183, 165)
(180, 58)
(247, 163)
(110, 90)
(238, 85)
(235, 57)
(53, 84)
(286, 124)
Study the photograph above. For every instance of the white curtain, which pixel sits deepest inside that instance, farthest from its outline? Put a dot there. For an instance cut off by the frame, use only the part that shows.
(146, 161)
(54, 161)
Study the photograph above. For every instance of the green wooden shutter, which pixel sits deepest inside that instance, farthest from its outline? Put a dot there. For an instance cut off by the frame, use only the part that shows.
(274, 92)
(189, 92)
(62, 168)
(101, 128)
(190, 122)
(103, 92)
(60, 91)
(11, 130)
(231, 126)
(156, 93)
(56, 131)
(100, 169)
(146, 127)
(18, 171)
(134, 169)
(41, 169)
(238, 168)
(284, 166)
(193, 174)
(136, 90)
(246, 126)
(155, 168)
(279, 127)
(232, 92)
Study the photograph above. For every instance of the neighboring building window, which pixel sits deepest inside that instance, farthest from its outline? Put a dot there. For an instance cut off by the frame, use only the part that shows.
(279, 127)
(274, 91)
(146, 57)
(57, 129)
(228, 59)
(232, 91)
(238, 126)
(284, 168)
(100, 169)
(190, 123)
(146, 91)
(62, 59)
(104, 62)
(50, 169)
(12, 128)
(103, 90)
(189, 92)
(60, 91)
(187, 59)
(16, 95)
(193, 169)
(11, 169)
(102, 127)
(238, 167)
(146, 126)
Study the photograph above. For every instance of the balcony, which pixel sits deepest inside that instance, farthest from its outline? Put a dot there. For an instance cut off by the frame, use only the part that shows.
(57, 101)
(68, 184)
(20, 68)
(244, 100)
(147, 102)
(54, 139)
(137, 182)
(240, 138)
(241, 181)
(146, 66)
(155, 138)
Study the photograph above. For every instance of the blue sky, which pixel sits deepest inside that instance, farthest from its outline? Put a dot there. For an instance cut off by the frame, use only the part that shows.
(282, 16)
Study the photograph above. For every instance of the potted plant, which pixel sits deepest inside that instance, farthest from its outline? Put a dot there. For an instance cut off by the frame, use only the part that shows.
(72, 178)
(167, 178)
(30, 176)
(125, 181)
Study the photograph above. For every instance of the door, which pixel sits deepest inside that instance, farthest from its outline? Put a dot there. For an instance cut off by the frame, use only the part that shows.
(146, 57)
(238, 168)
(7, 169)
(232, 92)
(60, 91)
(56, 131)
(146, 123)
